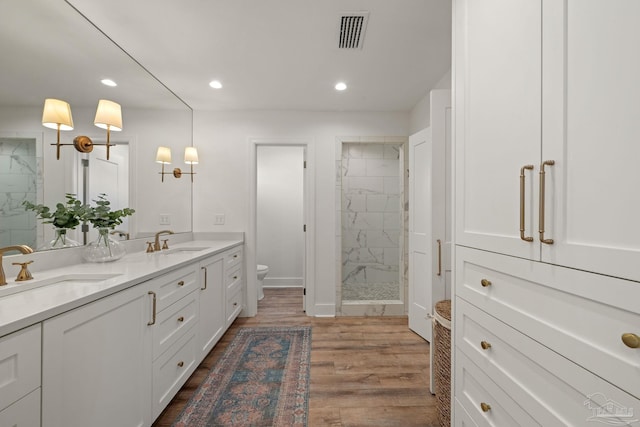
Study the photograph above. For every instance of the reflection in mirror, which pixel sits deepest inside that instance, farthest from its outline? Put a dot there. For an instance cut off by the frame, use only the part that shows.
(64, 56)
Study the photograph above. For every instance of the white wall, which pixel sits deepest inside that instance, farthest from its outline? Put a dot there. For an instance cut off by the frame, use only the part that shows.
(280, 237)
(222, 185)
(420, 113)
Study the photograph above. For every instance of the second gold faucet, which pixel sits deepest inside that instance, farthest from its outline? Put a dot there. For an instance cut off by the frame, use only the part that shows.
(156, 244)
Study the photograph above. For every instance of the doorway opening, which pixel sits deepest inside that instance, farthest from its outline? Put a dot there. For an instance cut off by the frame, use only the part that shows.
(372, 228)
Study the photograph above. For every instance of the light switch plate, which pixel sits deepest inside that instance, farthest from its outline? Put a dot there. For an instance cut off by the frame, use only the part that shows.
(219, 220)
(165, 219)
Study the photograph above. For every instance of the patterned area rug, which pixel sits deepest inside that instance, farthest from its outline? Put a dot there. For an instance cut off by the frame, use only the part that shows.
(262, 379)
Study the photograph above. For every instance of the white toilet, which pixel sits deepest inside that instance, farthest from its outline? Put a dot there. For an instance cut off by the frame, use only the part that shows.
(262, 272)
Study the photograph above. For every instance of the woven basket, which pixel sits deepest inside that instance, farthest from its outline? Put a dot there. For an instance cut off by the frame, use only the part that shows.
(442, 361)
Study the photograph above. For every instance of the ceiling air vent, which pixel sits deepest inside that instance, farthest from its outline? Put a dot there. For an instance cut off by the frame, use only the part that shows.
(352, 28)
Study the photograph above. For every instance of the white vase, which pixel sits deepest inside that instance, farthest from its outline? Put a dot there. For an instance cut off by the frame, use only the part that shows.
(104, 249)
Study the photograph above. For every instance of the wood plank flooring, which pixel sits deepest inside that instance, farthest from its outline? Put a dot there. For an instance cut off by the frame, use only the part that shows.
(365, 371)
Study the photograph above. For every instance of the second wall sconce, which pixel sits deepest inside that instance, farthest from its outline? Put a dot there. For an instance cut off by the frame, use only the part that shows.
(57, 115)
(163, 156)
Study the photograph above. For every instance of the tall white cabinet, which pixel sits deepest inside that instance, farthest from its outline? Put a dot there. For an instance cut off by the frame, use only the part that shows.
(547, 243)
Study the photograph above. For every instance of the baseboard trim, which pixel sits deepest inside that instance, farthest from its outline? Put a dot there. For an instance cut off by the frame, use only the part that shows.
(283, 282)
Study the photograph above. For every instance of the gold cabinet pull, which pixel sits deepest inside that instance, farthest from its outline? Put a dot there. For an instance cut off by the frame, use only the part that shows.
(439, 257)
(485, 345)
(485, 407)
(181, 363)
(485, 283)
(235, 277)
(181, 283)
(522, 200)
(542, 199)
(205, 278)
(181, 319)
(631, 340)
(235, 256)
(153, 319)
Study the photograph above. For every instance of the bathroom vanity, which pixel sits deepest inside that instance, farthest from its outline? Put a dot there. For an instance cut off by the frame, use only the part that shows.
(111, 344)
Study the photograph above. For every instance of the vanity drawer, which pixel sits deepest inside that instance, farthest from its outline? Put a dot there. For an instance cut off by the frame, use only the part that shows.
(580, 315)
(23, 413)
(175, 285)
(233, 258)
(462, 418)
(172, 369)
(234, 306)
(233, 280)
(173, 322)
(20, 356)
(548, 386)
(474, 390)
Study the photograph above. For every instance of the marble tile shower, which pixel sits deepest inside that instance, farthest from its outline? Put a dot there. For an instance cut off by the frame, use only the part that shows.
(20, 179)
(371, 209)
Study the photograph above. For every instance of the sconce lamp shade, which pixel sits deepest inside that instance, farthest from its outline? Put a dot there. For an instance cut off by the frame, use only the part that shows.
(164, 155)
(57, 113)
(191, 156)
(108, 115)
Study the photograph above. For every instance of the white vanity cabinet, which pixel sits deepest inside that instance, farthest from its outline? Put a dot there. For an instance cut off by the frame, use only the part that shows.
(96, 363)
(20, 361)
(212, 303)
(234, 282)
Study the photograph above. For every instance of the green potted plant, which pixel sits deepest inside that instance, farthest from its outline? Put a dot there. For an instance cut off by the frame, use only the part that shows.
(104, 219)
(66, 216)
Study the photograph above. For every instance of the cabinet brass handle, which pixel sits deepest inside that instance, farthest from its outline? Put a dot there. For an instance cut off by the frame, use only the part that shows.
(485, 407)
(181, 363)
(205, 279)
(439, 257)
(235, 277)
(522, 200)
(153, 319)
(485, 283)
(485, 345)
(235, 256)
(181, 283)
(542, 198)
(631, 340)
(235, 304)
(181, 319)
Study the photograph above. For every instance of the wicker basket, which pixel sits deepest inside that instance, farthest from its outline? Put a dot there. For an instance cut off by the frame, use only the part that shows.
(442, 361)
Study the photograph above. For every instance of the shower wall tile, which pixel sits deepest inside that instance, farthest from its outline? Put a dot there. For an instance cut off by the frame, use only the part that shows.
(391, 185)
(391, 256)
(383, 203)
(391, 221)
(362, 221)
(354, 167)
(353, 239)
(355, 202)
(363, 185)
(382, 167)
(364, 255)
(391, 152)
(382, 239)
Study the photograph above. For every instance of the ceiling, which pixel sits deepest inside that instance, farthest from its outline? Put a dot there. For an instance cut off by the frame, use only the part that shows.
(283, 54)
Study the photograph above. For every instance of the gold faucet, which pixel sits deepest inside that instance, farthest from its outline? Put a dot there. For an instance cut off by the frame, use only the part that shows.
(120, 233)
(21, 248)
(156, 245)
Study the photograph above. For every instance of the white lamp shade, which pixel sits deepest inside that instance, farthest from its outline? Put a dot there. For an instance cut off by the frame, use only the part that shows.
(57, 112)
(191, 156)
(164, 155)
(108, 115)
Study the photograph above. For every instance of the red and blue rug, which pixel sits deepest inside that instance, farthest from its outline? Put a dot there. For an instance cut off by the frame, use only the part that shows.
(262, 379)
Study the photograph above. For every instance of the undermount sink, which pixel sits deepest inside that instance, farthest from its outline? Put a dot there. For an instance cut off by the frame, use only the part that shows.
(185, 249)
(66, 279)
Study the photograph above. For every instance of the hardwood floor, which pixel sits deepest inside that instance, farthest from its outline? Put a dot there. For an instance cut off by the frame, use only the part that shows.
(365, 371)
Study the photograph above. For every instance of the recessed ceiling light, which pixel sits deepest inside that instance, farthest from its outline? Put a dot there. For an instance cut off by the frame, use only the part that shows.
(108, 82)
(341, 86)
(216, 84)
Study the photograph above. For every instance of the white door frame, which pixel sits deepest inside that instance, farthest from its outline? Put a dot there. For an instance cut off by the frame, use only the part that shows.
(309, 210)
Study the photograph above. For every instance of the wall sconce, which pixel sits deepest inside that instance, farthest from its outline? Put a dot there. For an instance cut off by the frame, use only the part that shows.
(57, 115)
(163, 156)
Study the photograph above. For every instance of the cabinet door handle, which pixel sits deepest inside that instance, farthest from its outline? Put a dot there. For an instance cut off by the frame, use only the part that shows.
(181, 363)
(439, 257)
(631, 340)
(485, 407)
(181, 283)
(522, 200)
(235, 277)
(235, 256)
(542, 198)
(485, 345)
(485, 283)
(205, 279)
(181, 319)
(153, 319)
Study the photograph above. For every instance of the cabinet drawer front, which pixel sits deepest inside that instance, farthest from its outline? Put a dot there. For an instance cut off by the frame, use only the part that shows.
(172, 370)
(20, 364)
(462, 418)
(580, 315)
(175, 285)
(173, 322)
(233, 281)
(234, 305)
(474, 389)
(23, 413)
(233, 258)
(548, 386)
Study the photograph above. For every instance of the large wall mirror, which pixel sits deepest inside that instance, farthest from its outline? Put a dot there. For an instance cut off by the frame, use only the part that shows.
(49, 50)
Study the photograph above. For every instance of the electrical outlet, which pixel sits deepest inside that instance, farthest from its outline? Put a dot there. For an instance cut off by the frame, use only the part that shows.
(165, 219)
(219, 219)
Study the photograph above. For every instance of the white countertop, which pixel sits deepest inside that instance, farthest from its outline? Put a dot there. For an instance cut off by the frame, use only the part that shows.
(28, 307)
